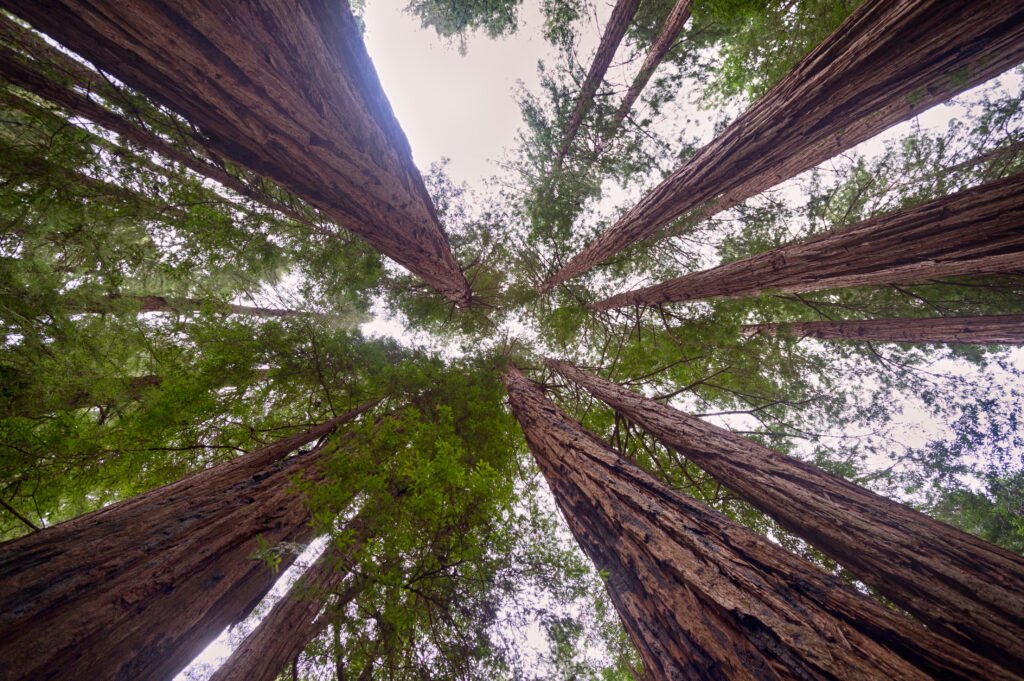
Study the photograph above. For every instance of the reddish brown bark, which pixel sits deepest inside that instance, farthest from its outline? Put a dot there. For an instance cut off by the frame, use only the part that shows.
(982, 330)
(27, 75)
(613, 34)
(705, 598)
(673, 26)
(284, 89)
(890, 60)
(295, 620)
(963, 588)
(978, 231)
(137, 589)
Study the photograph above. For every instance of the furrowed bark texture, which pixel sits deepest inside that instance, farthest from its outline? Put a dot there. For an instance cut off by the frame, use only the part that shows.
(978, 231)
(293, 621)
(285, 89)
(889, 60)
(613, 34)
(674, 24)
(963, 588)
(982, 330)
(705, 598)
(136, 590)
(27, 75)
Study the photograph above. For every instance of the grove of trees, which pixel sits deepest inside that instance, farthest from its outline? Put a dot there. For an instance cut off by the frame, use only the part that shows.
(719, 378)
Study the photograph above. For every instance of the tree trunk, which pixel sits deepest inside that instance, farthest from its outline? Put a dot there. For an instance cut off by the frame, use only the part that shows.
(137, 589)
(890, 60)
(613, 34)
(117, 302)
(982, 330)
(978, 231)
(666, 39)
(296, 619)
(284, 89)
(705, 598)
(24, 75)
(963, 588)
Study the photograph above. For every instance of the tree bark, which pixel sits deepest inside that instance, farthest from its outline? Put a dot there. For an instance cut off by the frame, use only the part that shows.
(981, 330)
(705, 598)
(284, 89)
(137, 589)
(613, 34)
(114, 303)
(890, 60)
(978, 231)
(961, 587)
(31, 79)
(296, 619)
(674, 24)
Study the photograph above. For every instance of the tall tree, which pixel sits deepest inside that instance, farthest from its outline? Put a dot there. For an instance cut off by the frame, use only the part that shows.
(339, 147)
(613, 34)
(137, 589)
(149, 303)
(960, 586)
(704, 598)
(43, 74)
(301, 615)
(674, 24)
(988, 330)
(977, 231)
(856, 84)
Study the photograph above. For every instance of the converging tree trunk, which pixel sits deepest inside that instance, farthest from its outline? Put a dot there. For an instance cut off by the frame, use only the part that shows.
(136, 590)
(963, 588)
(300, 616)
(284, 89)
(674, 24)
(889, 60)
(705, 598)
(981, 330)
(119, 302)
(31, 76)
(613, 34)
(978, 231)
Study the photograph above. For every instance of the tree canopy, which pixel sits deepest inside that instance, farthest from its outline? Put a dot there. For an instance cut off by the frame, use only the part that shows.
(169, 304)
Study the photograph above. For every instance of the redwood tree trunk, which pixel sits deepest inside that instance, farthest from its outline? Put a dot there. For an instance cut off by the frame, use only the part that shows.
(28, 76)
(890, 60)
(674, 24)
(705, 598)
(963, 588)
(982, 330)
(978, 231)
(296, 619)
(285, 89)
(114, 303)
(137, 589)
(619, 21)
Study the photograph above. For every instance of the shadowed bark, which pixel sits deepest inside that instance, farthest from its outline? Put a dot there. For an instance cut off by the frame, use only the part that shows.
(28, 76)
(978, 231)
(674, 24)
(963, 588)
(137, 589)
(981, 330)
(613, 34)
(889, 60)
(705, 598)
(285, 89)
(296, 619)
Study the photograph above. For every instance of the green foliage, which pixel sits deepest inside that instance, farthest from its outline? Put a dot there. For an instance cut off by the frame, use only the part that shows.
(468, 557)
